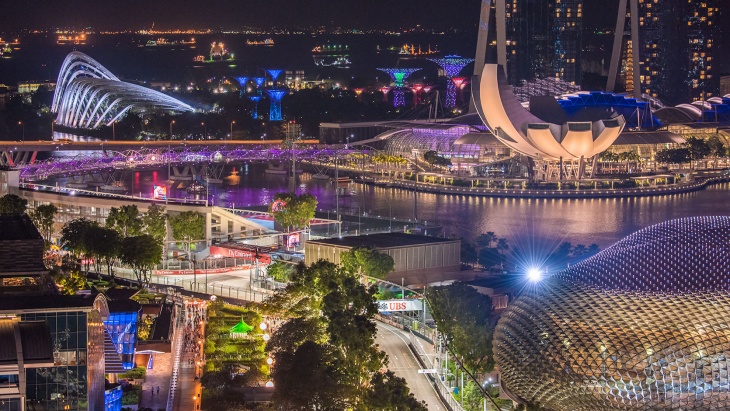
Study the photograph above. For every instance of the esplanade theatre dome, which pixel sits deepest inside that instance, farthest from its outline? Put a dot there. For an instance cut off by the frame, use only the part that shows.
(643, 325)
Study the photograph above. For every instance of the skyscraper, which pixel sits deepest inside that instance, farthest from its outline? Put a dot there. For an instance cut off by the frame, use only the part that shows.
(678, 45)
(543, 39)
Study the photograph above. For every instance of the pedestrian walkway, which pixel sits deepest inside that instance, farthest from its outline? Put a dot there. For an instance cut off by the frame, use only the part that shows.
(189, 390)
(158, 376)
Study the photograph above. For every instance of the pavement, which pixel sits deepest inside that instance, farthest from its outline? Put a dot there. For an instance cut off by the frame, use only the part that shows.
(158, 376)
(403, 363)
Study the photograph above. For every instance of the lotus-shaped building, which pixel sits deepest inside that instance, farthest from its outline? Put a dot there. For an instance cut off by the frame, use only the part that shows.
(522, 131)
(89, 96)
(642, 325)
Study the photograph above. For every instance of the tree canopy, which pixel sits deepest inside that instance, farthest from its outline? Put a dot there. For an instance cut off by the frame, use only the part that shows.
(367, 261)
(293, 211)
(125, 220)
(43, 217)
(464, 317)
(329, 338)
(141, 253)
(188, 226)
(12, 204)
(154, 222)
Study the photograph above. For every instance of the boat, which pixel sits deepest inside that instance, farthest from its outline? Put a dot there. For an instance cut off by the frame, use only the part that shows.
(219, 52)
(265, 42)
(331, 49)
(320, 176)
(72, 39)
(411, 50)
(114, 188)
(339, 62)
(77, 185)
(195, 188)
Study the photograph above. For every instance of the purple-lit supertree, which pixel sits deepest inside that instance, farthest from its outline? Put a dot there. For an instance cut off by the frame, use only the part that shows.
(452, 66)
(399, 76)
(243, 81)
(275, 110)
(259, 84)
(255, 112)
(274, 75)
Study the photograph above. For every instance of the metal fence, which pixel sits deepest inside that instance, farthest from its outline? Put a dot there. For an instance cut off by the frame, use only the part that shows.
(439, 385)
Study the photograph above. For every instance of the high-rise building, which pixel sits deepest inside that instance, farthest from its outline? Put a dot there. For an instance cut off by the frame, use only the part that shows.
(543, 39)
(677, 52)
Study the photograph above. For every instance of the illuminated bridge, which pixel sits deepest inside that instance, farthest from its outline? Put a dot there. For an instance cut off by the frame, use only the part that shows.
(156, 158)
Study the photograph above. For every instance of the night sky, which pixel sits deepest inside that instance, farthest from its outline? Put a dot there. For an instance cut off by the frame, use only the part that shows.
(137, 14)
(234, 14)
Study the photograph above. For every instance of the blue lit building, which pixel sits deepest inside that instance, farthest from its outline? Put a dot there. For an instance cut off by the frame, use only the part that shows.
(121, 332)
(113, 398)
(255, 111)
(638, 114)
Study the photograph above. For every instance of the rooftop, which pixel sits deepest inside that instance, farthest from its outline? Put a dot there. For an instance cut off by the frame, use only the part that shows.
(18, 227)
(385, 240)
(17, 233)
(35, 338)
(20, 303)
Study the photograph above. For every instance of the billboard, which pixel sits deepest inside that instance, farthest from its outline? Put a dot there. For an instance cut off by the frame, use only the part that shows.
(237, 253)
(159, 192)
(399, 305)
(292, 240)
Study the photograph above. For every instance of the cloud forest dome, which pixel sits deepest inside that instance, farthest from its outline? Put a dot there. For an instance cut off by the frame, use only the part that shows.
(643, 325)
(89, 96)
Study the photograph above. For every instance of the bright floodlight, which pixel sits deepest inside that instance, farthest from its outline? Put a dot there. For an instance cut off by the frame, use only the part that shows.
(534, 274)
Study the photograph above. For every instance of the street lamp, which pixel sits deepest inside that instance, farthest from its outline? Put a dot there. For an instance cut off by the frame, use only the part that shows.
(171, 123)
(22, 126)
(232, 123)
(205, 130)
(535, 275)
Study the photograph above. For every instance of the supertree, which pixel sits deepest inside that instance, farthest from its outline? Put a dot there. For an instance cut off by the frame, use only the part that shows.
(275, 111)
(385, 90)
(417, 93)
(243, 81)
(452, 66)
(399, 76)
(255, 112)
(459, 83)
(274, 74)
(259, 84)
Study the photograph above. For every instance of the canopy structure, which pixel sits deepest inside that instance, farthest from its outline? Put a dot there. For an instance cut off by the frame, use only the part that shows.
(240, 330)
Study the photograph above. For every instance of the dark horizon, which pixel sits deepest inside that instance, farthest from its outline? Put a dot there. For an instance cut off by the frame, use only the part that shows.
(233, 14)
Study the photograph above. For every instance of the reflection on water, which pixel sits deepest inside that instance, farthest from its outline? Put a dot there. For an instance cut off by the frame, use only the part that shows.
(539, 223)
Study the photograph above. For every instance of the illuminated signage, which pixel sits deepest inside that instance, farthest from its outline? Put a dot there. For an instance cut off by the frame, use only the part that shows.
(159, 192)
(399, 305)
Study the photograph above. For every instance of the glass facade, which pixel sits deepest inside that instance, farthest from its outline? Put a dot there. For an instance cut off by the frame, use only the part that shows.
(76, 381)
(113, 399)
(122, 329)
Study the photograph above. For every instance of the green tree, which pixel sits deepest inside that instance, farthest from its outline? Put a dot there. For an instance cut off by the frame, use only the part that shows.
(72, 283)
(468, 253)
(367, 261)
(717, 148)
(43, 217)
(141, 253)
(104, 245)
(154, 222)
(464, 317)
(74, 237)
(280, 271)
(293, 211)
(125, 220)
(330, 339)
(188, 226)
(698, 148)
(12, 204)
(391, 393)
(473, 397)
(491, 257)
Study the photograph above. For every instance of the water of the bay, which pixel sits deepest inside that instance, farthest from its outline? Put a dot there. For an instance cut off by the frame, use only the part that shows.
(532, 223)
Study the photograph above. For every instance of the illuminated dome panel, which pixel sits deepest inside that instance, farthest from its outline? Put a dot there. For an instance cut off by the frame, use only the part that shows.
(642, 325)
(689, 254)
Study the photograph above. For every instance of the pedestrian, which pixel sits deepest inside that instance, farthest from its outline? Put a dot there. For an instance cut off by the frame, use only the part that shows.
(158, 390)
(153, 390)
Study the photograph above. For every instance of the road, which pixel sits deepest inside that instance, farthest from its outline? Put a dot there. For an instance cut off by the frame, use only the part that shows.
(56, 145)
(402, 362)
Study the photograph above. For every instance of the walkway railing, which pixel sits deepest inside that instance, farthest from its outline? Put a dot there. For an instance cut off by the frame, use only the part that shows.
(177, 344)
(257, 293)
(440, 386)
(103, 194)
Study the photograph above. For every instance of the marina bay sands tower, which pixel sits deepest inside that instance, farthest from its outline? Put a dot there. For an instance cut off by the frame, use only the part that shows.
(533, 39)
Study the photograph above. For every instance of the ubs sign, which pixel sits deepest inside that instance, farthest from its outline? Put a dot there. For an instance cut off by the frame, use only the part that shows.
(399, 305)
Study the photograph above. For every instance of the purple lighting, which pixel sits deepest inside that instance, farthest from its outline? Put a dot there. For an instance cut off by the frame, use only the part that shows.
(399, 76)
(452, 66)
